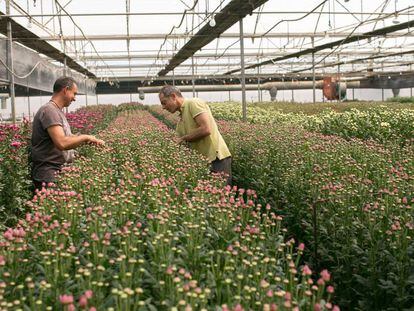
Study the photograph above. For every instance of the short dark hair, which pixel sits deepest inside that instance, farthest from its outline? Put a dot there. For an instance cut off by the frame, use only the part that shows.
(168, 90)
(63, 82)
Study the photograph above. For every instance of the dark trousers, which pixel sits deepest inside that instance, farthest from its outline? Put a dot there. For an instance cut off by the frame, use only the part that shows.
(37, 185)
(222, 166)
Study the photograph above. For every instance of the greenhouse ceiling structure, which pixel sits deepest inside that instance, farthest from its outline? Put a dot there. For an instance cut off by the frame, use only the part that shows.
(114, 47)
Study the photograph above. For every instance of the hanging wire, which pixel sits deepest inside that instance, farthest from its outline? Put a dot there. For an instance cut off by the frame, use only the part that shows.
(34, 21)
(86, 38)
(263, 36)
(350, 13)
(384, 6)
(257, 20)
(349, 35)
(294, 19)
(319, 17)
(355, 28)
(176, 27)
(172, 29)
(367, 21)
(18, 76)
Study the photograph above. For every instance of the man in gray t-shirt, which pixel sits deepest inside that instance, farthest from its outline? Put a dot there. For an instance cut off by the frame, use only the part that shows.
(52, 141)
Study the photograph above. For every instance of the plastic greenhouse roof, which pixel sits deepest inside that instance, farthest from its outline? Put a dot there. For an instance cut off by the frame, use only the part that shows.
(116, 39)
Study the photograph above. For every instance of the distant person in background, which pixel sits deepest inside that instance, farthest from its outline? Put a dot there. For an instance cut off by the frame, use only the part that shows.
(198, 127)
(52, 140)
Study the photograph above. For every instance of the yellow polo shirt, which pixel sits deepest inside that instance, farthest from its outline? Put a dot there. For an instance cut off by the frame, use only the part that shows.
(212, 146)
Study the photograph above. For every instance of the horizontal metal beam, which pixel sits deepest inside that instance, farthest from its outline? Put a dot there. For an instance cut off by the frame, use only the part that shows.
(207, 33)
(158, 13)
(201, 88)
(205, 83)
(134, 56)
(285, 85)
(41, 74)
(350, 39)
(160, 36)
(189, 77)
(25, 37)
(376, 83)
(360, 60)
(218, 64)
(221, 78)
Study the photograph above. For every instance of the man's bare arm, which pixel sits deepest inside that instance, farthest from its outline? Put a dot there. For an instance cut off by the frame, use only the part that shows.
(202, 131)
(63, 142)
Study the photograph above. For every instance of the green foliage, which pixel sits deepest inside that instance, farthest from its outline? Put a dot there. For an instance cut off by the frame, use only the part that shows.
(350, 200)
(380, 123)
(15, 180)
(351, 203)
(141, 225)
(317, 108)
(401, 99)
(14, 172)
(167, 118)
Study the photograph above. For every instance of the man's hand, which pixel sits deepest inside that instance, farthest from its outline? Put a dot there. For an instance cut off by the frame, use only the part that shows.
(96, 141)
(203, 129)
(181, 140)
(63, 142)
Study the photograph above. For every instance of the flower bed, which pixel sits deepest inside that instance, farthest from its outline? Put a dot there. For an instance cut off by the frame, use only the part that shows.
(15, 180)
(383, 125)
(14, 172)
(166, 117)
(92, 119)
(374, 122)
(141, 224)
(350, 201)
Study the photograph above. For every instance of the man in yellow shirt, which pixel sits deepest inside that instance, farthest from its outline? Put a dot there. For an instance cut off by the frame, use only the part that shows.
(198, 127)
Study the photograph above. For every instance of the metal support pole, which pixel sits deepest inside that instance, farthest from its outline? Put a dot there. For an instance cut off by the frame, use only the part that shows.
(353, 89)
(192, 61)
(97, 98)
(339, 79)
(382, 89)
(41, 10)
(259, 91)
(229, 96)
(293, 95)
(86, 92)
(65, 68)
(313, 78)
(192, 75)
(10, 63)
(28, 99)
(173, 81)
(65, 65)
(243, 76)
(313, 73)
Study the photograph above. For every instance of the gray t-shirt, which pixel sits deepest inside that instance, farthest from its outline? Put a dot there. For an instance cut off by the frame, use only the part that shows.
(46, 158)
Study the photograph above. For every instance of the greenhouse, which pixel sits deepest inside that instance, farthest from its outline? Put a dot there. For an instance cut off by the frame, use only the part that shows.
(207, 155)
